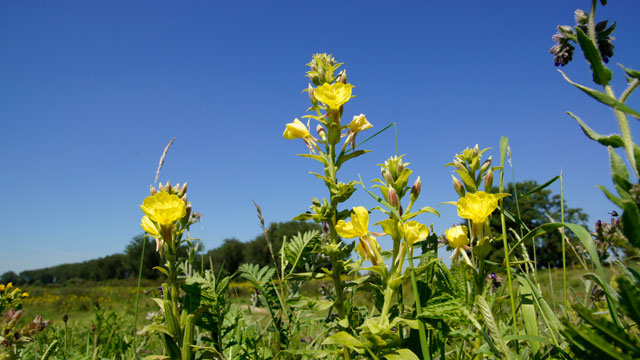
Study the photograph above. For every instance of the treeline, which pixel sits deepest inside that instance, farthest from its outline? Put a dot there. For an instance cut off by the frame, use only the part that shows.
(226, 258)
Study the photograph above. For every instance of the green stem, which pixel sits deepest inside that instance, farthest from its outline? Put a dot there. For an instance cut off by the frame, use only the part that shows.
(632, 86)
(564, 253)
(135, 321)
(421, 328)
(506, 255)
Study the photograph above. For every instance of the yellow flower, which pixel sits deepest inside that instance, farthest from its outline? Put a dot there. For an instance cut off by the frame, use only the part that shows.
(25, 294)
(457, 236)
(296, 130)
(334, 95)
(359, 123)
(163, 208)
(478, 206)
(9, 286)
(413, 232)
(458, 239)
(149, 226)
(368, 247)
(1, 287)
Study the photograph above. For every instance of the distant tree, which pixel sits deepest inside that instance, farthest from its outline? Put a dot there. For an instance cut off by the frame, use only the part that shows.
(533, 212)
(227, 257)
(133, 252)
(257, 250)
(10, 277)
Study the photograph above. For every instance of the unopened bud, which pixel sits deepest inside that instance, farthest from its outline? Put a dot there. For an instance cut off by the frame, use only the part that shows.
(311, 90)
(415, 189)
(152, 190)
(400, 168)
(387, 176)
(476, 150)
(457, 186)
(175, 189)
(488, 180)
(183, 190)
(65, 318)
(321, 132)
(392, 196)
(184, 198)
(188, 211)
(167, 187)
(342, 77)
(581, 16)
(459, 165)
(599, 227)
(485, 165)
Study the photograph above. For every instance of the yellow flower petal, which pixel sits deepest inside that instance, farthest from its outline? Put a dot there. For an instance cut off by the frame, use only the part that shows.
(478, 206)
(359, 123)
(1, 287)
(414, 232)
(457, 236)
(163, 208)
(149, 226)
(296, 130)
(334, 95)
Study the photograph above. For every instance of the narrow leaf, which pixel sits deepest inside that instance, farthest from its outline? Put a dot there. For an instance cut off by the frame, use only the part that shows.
(611, 140)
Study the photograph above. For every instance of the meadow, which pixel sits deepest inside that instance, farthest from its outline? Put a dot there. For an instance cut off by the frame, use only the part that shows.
(334, 292)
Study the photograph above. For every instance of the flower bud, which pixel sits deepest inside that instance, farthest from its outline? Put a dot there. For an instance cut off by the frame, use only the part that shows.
(459, 165)
(321, 132)
(342, 77)
(476, 150)
(188, 211)
(485, 165)
(152, 190)
(488, 180)
(400, 168)
(183, 190)
(415, 189)
(387, 176)
(457, 186)
(175, 189)
(392, 195)
(311, 90)
(184, 198)
(167, 187)
(581, 17)
(65, 318)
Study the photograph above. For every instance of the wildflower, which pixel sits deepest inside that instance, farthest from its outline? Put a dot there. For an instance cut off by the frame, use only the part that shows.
(335, 95)
(414, 232)
(297, 130)
(164, 209)
(25, 294)
(458, 239)
(1, 287)
(368, 247)
(477, 207)
(359, 123)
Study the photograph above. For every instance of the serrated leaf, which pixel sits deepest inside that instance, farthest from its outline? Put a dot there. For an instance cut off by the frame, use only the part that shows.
(601, 74)
(611, 140)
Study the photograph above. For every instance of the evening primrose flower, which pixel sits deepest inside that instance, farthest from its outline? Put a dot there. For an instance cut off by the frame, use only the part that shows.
(477, 207)
(334, 95)
(164, 209)
(458, 239)
(414, 232)
(150, 228)
(1, 287)
(368, 247)
(359, 123)
(298, 130)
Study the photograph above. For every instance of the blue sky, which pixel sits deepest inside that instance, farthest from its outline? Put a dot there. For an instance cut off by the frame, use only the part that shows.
(91, 92)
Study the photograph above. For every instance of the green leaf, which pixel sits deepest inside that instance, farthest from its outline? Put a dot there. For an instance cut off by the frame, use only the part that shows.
(156, 328)
(634, 74)
(601, 75)
(540, 187)
(619, 174)
(529, 315)
(614, 199)
(426, 209)
(321, 158)
(631, 222)
(401, 354)
(392, 209)
(603, 98)
(467, 180)
(345, 157)
(611, 140)
(487, 315)
(343, 338)
(162, 270)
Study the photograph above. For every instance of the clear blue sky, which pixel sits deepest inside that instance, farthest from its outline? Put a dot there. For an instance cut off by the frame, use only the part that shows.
(90, 93)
